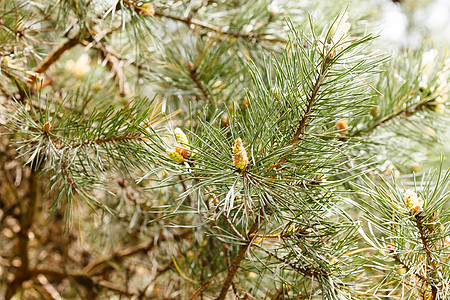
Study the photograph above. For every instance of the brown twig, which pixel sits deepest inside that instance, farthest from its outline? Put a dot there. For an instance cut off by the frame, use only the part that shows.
(57, 53)
(277, 294)
(427, 247)
(235, 231)
(188, 21)
(308, 111)
(193, 73)
(119, 255)
(200, 289)
(407, 267)
(239, 257)
(407, 111)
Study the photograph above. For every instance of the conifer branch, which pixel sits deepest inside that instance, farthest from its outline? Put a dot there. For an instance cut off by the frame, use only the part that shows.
(71, 42)
(406, 111)
(193, 73)
(113, 139)
(188, 21)
(101, 141)
(121, 254)
(305, 271)
(200, 289)
(308, 110)
(407, 267)
(58, 52)
(277, 293)
(235, 231)
(428, 246)
(239, 257)
(227, 253)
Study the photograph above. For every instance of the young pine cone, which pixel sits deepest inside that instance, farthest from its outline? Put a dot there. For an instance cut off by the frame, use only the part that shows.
(181, 138)
(240, 155)
(414, 203)
(176, 156)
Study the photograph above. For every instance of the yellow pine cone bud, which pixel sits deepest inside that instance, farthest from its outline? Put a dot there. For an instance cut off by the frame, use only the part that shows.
(147, 9)
(240, 155)
(47, 127)
(342, 124)
(181, 138)
(414, 203)
(173, 154)
(181, 150)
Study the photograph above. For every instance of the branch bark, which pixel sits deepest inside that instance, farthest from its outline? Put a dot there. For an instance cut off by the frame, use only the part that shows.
(57, 53)
(193, 73)
(119, 255)
(407, 111)
(309, 110)
(428, 246)
(239, 257)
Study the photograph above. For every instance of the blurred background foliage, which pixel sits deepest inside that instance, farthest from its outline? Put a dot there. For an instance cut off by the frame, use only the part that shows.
(92, 207)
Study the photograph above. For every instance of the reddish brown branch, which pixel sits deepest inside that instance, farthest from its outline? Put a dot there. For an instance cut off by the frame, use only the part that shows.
(200, 289)
(407, 111)
(120, 255)
(193, 73)
(239, 257)
(190, 21)
(407, 267)
(57, 53)
(308, 111)
(427, 244)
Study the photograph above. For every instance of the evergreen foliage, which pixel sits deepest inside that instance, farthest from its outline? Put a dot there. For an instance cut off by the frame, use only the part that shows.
(218, 150)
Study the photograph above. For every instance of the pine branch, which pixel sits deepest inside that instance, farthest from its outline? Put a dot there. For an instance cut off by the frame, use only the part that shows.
(308, 111)
(305, 271)
(58, 52)
(227, 254)
(193, 73)
(188, 21)
(121, 254)
(231, 226)
(239, 257)
(428, 248)
(112, 139)
(407, 111)
(200, 289)
(66, 46)
(406, 266)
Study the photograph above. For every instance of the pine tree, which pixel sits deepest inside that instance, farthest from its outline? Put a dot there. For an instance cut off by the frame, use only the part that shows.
(219, 150)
